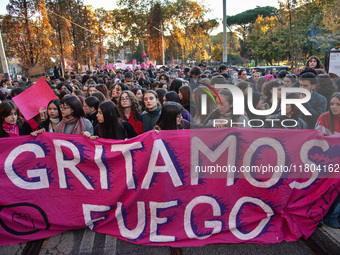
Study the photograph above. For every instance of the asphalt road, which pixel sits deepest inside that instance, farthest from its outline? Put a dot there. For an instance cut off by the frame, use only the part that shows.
(85, 241)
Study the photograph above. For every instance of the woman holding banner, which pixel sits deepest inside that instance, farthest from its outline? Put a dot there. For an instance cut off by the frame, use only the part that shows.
(52, 120)
(110, 126)
(73, 121)
(130, 110)
(11, 124)
(171, 118)
(329, 122)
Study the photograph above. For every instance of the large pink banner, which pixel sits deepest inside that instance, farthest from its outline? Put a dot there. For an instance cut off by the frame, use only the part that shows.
(171, 189)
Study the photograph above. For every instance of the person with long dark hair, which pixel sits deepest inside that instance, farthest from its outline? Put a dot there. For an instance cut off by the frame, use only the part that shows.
(90, 107)
(268, 92)
(11, 124)
(258, 104)
(171, 96)
(102, 88)
(73, 121)
(326, 87)
(99, 95)
(110, 125)
(171, 118)
(197, 95)
(53, 117)
(291, 119)
(314, 62)
(329, 122)
(129, 110)
(289, 80)
(138, 93)
(175, 85)
(185, 95)
(161, 92)
(116, 90)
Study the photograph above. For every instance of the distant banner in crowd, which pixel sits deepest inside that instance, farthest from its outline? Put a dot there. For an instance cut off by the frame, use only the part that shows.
(84, 68)
(143, 191)
(30, 100)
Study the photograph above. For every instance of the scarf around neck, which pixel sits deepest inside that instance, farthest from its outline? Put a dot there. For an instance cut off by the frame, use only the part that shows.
(79, 125)
(11, 129)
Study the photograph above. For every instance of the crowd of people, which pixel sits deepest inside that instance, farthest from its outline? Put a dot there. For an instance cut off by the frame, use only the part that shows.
(122, 104)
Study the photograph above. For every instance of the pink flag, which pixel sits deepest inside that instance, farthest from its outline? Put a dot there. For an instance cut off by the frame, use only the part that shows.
(110, 66)
(33, 98)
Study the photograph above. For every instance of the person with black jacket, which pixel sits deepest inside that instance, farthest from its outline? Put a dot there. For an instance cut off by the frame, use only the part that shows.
(51, 119)
(11, 124)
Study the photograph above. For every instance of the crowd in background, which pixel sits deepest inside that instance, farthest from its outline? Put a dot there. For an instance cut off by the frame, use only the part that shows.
(121, 104)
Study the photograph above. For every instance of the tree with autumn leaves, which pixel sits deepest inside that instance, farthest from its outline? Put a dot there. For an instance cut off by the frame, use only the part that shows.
(140, 24)
(39, 31)
(26, 32)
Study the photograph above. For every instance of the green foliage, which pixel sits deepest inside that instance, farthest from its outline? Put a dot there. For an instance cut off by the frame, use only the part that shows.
(250, 16)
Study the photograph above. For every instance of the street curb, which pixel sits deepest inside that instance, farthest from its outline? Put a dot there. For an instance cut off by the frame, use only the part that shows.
(327, 238)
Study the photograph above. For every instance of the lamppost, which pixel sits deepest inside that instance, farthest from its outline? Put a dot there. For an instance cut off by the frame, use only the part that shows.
(225, 51)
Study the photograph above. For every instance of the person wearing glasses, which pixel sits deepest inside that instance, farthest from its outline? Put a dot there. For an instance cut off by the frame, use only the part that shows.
(116, 90)
(164, 78)
(73, 121)
(130, 110)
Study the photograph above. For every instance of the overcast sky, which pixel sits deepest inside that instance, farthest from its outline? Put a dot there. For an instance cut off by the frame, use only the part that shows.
(233, 7)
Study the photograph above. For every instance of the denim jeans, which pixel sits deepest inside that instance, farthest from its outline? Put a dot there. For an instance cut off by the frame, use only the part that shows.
(332, 217)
